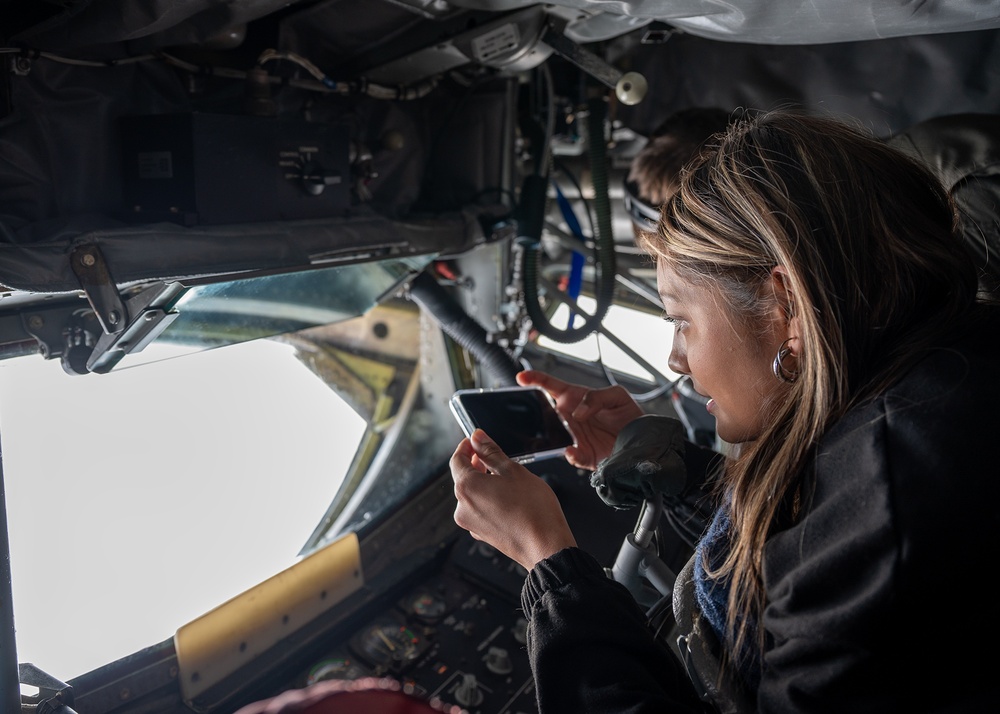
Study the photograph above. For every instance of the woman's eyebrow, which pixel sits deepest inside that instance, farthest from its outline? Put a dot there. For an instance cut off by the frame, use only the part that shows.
(667, 296)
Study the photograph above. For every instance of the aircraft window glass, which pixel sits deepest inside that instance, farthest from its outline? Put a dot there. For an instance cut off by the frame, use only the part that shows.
(647, 334)
(140, 499)
(239, 310)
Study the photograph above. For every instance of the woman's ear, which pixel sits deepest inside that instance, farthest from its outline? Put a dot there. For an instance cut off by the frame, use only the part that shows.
(786, 311)
(782, 288)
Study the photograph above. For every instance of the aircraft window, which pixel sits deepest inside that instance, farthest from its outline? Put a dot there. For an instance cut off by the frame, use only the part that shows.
(644, 333)
(239, 310)
(141, 499)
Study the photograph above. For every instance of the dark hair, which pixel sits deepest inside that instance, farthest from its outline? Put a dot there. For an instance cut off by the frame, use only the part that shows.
(655, 170)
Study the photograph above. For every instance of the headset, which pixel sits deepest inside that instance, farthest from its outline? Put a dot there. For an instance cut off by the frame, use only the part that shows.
(644, 216)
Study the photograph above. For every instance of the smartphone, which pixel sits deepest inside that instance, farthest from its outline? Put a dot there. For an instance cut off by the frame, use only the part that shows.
(523, 421)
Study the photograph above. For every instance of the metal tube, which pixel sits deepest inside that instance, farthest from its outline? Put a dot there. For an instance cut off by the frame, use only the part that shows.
(10, 686)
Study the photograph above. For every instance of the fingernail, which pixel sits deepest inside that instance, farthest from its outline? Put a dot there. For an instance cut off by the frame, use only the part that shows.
(479, 437)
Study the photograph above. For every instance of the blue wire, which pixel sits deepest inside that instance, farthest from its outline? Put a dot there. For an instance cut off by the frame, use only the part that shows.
(578, 259)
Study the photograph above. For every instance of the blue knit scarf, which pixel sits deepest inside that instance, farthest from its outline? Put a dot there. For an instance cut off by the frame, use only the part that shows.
(713, 595)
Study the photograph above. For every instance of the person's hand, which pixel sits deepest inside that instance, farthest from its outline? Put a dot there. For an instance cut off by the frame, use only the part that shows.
(503, 504)
(595, 416)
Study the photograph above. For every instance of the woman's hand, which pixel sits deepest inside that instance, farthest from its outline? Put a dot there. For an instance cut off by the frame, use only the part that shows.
(595, 416)
(503, 504)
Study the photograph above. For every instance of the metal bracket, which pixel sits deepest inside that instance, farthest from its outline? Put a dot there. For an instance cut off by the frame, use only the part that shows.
(129, 325)
(92, 271)
(54, 696)
(630, 87)
(152, 312)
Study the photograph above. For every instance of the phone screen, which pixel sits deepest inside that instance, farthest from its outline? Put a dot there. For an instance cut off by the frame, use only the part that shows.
(521, 420)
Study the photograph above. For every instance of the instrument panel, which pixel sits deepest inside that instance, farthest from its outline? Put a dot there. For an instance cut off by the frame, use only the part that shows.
(457, 637)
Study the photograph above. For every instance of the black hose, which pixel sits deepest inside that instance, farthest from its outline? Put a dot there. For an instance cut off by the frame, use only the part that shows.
(604, 244)
(429, 294)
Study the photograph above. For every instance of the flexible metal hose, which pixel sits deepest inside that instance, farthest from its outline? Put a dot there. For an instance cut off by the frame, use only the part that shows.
(604, 244)
(429, 294)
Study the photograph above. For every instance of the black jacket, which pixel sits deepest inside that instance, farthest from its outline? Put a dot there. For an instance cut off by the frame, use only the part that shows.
(881, 598)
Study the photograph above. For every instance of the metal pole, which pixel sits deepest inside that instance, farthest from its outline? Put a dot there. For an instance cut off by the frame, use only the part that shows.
(10, 686)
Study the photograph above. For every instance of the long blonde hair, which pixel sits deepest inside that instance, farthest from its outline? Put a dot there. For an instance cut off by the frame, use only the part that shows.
(876, 273)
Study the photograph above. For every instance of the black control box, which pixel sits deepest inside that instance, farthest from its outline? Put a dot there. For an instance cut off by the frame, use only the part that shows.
(219, 168)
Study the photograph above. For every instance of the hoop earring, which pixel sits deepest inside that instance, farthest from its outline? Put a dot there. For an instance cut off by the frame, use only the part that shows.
(780, 371)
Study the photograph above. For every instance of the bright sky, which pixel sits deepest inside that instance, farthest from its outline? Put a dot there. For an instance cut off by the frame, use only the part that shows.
(141, 499)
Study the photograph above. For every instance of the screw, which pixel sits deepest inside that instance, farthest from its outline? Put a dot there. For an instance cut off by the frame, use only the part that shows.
(88, 259)
(114, 317)
(35, 321)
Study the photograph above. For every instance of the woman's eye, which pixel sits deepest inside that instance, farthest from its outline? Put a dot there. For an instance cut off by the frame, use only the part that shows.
(668, 318)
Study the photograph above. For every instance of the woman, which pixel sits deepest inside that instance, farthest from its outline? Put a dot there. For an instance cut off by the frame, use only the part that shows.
(824, 303)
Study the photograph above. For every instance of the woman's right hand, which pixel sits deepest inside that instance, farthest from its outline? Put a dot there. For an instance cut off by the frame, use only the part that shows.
(503, 504)
(595, 416)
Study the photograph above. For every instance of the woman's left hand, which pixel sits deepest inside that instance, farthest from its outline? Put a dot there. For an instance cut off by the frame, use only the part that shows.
(500, 502)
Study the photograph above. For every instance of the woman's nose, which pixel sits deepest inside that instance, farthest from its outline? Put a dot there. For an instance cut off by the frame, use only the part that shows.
(677, 361)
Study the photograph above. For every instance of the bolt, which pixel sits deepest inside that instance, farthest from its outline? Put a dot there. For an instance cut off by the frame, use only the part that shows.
(114, 317)
(88, 259)
(35, 322)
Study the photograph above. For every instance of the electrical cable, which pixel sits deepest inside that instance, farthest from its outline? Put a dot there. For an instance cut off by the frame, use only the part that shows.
(322, 82)
(271, 55)
(560, 166)
(577, 259)
(550, 116)
(641, 397)
(32, 54)
(533, 207)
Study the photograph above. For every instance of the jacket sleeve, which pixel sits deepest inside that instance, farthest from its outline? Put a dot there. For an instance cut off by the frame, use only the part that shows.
(590, 648)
